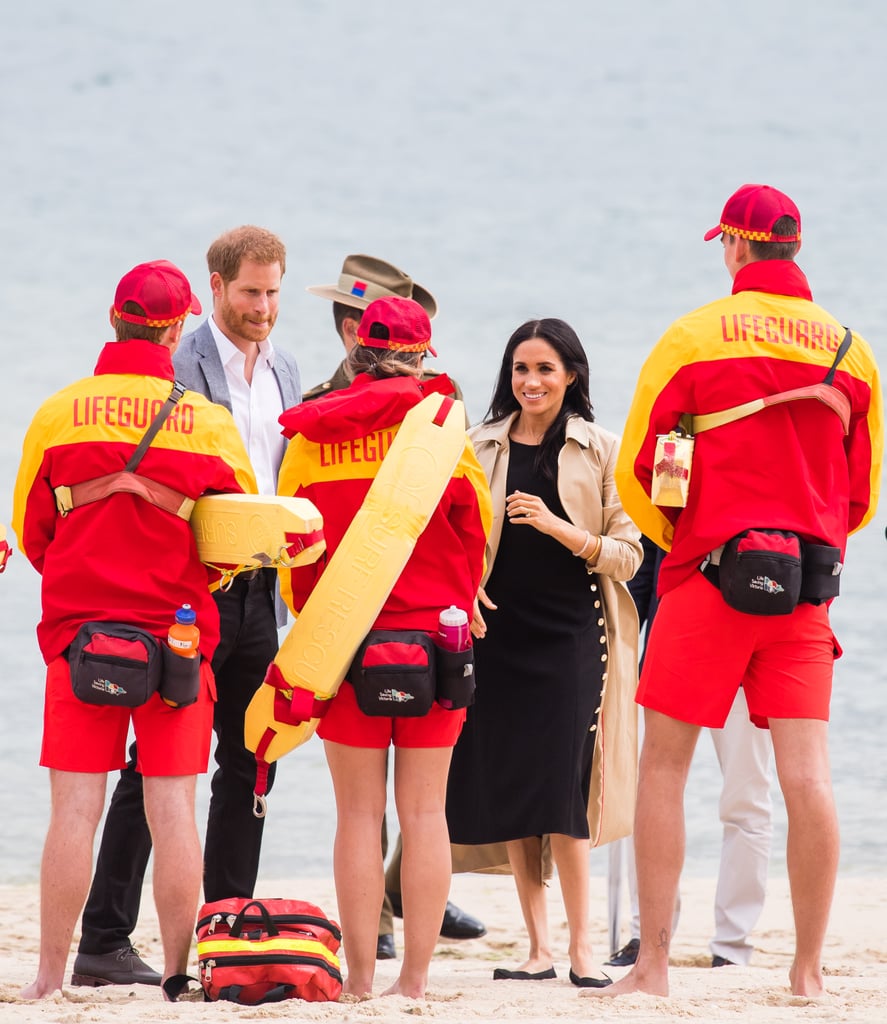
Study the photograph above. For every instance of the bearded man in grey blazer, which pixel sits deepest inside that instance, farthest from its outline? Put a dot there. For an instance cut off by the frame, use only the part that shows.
(230, 360)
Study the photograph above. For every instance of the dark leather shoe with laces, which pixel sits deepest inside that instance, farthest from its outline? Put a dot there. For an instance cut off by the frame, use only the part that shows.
(122, 967)
(457, 923)
(385, 949)
(626, 956)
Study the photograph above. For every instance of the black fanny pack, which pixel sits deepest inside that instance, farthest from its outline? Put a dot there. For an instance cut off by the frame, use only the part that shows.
(118, 665)
(115, 664)
(400, 673)
(393, 673)
(769, 572)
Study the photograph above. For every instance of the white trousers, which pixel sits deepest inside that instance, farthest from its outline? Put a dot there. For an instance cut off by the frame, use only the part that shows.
(744, 754)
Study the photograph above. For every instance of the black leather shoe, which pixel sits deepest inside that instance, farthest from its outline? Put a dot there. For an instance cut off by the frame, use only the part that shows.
(589, 982)
(457, 923)
(385, 948)
(721, 961)
(626, 956)
(122, 967)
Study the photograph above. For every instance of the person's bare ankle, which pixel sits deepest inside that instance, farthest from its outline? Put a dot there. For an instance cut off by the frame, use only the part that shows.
(806, 983)
(634, 981)
(39, 989)
(409, 991)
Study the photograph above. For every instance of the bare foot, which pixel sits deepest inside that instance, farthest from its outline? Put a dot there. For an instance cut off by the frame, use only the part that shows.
(634, 981)
(806, 983)
(39, 989)
(401, 988)
(356, 992)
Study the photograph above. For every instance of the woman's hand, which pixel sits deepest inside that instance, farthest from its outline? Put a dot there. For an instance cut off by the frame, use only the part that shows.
(478, 626)
(521, 507)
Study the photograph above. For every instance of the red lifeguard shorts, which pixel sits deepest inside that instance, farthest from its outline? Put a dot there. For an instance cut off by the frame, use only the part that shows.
(80, 737)
(700, 650)
(345, 723)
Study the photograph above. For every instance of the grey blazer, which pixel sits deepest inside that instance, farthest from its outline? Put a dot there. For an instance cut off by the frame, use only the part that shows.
(198, 367)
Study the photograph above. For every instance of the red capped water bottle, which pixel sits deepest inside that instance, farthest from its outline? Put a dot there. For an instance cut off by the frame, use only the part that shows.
(184, 636)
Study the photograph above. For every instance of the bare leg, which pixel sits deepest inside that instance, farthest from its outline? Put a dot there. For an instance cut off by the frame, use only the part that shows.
(420, 786)
(659, 840)
(571, 857)
(178, 864)
(525, 858)
(65, 870)
(358, 776)
(800, 747)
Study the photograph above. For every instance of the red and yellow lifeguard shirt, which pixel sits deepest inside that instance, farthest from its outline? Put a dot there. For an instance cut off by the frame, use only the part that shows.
(789, 466)
(337, 445)
(122, 558)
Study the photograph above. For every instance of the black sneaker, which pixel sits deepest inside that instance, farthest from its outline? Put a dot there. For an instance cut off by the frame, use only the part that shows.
(122, 967)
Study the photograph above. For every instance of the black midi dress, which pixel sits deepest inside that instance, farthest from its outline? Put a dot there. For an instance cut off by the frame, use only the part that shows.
(521, 766)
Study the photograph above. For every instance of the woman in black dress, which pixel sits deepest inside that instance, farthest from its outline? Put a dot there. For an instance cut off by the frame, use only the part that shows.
(556, 639)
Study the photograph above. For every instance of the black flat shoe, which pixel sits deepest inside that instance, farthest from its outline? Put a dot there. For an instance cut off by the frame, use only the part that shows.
(500, 974)
(176, 987)
(385, 949)
(589, 982)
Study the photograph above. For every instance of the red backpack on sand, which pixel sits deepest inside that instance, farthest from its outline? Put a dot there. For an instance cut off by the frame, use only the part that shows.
(264, 951)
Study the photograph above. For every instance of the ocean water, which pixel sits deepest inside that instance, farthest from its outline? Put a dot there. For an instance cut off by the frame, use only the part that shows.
(519, 160)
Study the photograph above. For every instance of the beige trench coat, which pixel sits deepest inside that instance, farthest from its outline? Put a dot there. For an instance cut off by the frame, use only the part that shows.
(588, 494)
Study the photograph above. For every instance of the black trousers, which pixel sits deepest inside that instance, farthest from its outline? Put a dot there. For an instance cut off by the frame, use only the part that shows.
(233, 833)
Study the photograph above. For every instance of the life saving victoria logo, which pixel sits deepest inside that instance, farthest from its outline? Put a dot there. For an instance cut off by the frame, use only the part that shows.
(392, 696)
(765, 584)
(106, 686)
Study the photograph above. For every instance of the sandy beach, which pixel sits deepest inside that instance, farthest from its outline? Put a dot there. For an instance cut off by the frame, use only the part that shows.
(461, 987)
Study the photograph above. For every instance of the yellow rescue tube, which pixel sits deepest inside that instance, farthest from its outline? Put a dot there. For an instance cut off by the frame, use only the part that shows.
(348, 597)
(247, 531)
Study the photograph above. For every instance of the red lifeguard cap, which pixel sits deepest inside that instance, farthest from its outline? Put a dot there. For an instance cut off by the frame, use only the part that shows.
(752, 211)
(161, 289)
(395, 323)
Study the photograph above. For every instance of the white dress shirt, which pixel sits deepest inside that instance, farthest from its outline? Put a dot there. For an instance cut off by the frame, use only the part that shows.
(256, 407)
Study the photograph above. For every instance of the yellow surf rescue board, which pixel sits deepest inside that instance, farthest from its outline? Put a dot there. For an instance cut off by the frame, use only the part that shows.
(339, 612)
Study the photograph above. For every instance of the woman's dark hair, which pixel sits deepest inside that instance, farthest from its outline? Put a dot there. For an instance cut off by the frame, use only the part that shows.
(564, 340)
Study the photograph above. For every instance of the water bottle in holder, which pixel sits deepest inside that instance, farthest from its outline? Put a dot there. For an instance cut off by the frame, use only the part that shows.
(184, 636)
(455, 660)
(181, 664)
(453, 633)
